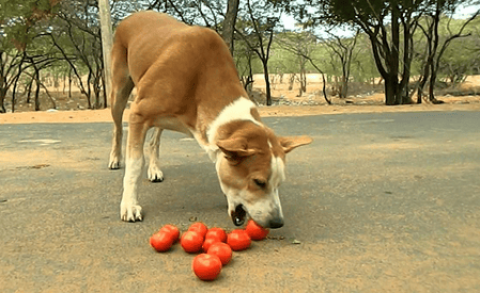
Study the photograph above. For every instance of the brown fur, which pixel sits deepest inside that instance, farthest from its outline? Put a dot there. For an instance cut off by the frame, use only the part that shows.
(177, 75)
(185, 76)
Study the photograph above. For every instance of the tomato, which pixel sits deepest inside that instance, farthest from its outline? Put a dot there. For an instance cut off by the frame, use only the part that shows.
(172, 230)
(206, 266)
(198, 227)
(239, 240)
(191, 241)
(209, 241)
(161, 241)
(217, 232)
(222, 250)
(255, 231)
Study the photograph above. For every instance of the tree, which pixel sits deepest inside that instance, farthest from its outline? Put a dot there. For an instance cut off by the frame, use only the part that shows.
(229, 23)
(243, 57)
(107, 43)
(435, 52)
(18, 22)
(257, 31)
(343, 49)
(199, 12)
(385, 23)
(302, 44)
(10, 62)
(389, 25)
(78, 39)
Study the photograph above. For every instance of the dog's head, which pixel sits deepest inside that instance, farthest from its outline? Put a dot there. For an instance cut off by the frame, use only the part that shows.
(251, 167)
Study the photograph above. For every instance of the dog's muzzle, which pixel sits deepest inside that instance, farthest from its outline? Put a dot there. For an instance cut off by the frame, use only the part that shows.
(238, 215)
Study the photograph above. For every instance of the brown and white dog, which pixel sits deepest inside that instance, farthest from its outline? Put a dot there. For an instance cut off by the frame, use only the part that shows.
(187, 81)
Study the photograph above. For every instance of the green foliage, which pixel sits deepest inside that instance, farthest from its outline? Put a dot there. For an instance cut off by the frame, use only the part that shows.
(21, 20)
(459, 57)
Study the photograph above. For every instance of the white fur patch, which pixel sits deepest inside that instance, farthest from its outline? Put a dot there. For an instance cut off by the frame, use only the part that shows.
(129, 208)
(238, 110)
(278, 171)
(278, 176)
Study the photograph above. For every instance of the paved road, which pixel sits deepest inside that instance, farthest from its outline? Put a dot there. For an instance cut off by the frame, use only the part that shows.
(380, 203)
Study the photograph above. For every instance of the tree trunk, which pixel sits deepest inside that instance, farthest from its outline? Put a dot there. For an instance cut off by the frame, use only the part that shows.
(267, 83)
(29, 91)
(247, 82)
(64, 82)
(423, 81)
(324, 88)
(408, 47)
(391, 90)
(89, 89)
(229, 23)
(291, 81)
(435, 38)
(343, 87)
(3, 94)
(395, 57)
(388, 84)
(303, 78)
(70, 83)
(105, 95)
(431, 95)
(107, 41)
(37, 91)
(16, 79)
(14, 91)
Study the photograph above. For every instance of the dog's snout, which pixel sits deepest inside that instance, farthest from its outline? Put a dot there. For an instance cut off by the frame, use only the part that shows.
(276, 223)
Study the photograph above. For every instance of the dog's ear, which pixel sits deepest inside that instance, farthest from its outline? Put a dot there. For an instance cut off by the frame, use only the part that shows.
(288, 143)
(235, 149)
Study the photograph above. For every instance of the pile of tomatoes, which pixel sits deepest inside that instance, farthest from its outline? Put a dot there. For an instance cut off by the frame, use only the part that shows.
(215, 244)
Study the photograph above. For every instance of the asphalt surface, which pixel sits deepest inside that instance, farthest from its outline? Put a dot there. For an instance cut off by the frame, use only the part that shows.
(377, 203)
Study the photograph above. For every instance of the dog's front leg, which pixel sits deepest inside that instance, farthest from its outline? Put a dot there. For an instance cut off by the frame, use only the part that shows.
(130, 210)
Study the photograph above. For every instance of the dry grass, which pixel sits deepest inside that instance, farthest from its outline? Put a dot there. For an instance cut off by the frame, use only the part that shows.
(359, 94)
(362, 93)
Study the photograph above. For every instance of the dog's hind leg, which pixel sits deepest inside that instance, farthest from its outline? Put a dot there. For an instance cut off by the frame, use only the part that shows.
(154, 172)
(122, 86)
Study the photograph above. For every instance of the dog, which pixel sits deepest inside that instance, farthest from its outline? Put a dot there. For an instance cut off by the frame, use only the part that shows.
(186, 81)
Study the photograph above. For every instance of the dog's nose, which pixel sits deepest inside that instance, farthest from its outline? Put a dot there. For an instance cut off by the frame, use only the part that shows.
(276, 223)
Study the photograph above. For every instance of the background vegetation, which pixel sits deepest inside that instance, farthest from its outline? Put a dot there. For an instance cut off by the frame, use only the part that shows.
(412, 48)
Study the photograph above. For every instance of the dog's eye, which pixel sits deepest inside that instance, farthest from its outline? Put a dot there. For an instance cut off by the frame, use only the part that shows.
(260, 183)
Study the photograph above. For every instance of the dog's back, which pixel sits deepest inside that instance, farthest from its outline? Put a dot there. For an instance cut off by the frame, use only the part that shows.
(142, 37)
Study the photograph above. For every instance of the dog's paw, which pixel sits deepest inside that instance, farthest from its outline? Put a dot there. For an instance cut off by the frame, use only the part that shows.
(130, 212)
(114, 162)
(155, 174)
(113, 165)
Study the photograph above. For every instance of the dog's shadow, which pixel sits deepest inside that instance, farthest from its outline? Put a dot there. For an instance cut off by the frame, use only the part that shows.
(189, 188)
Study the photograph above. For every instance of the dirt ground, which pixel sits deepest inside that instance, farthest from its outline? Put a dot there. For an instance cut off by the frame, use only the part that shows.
(377, 203)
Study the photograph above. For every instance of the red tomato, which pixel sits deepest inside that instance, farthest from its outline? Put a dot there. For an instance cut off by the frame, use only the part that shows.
(217, 232)
(206, 266)
(161, 241)
(239, 240)
(222, 250)
(209, 241)
(198, 227)
(172, 230)
(191, 241)
(255, 231)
